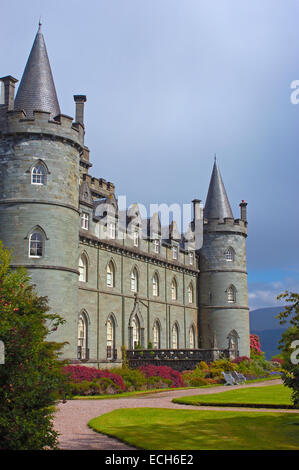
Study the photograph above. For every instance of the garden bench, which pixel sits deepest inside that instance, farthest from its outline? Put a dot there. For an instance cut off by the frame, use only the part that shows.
(239, 378)
(229, 378)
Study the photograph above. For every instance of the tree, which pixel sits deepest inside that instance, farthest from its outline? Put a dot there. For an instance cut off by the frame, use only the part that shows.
(31, 380)
(289, 343)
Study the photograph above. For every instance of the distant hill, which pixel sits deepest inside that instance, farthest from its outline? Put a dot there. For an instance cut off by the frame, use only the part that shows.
(264, 324)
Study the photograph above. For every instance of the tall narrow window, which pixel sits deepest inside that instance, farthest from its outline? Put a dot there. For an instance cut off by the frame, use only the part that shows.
(231, 294)
(155, 285)
(83, 352)
(192, 338)
(191, 258)
(175, 336)
(174, 252)
(136, 238)
(112, 230)
(174, 290)
(134, 280)
(110, 274)
(136, 332)
(36, 241)
(38, 174)
(110, 338)
(157, 246)
(190, 293)
(83, 268)
(85, 220)
(156, 335)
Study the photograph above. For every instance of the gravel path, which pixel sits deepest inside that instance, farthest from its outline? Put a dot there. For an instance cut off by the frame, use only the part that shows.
(72, 417)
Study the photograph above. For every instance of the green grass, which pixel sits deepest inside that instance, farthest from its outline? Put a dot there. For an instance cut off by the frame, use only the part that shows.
(272, 395)
(166, 429)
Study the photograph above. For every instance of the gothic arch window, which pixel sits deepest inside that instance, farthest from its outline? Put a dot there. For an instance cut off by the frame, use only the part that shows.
(233, 342)
(110, 274)
(231, 294)
(136, 332)
(134, 280)
(36, 244)
(110, 332)
(229, 254)
(192, 337)
(155, 285)
(83, 268)
(83, 351)
(174, 289)
(39, 173)
(175, 336)
(190, 293)
(156, 335)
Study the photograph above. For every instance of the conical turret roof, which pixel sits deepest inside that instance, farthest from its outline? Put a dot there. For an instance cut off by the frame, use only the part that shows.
(37, 90)
(217, 203)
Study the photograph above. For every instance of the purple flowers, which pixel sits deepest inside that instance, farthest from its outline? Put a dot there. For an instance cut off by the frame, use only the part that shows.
(81, 373)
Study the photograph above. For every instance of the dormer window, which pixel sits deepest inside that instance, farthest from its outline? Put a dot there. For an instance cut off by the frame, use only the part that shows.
(136, 238)
(84, 220)
(112, 230)
(156, 246)
(175, 252)
(38, 174)
(191, 258)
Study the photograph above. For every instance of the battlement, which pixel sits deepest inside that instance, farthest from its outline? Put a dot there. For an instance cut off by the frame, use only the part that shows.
(16, 122)
(226, 225)
(99, 186)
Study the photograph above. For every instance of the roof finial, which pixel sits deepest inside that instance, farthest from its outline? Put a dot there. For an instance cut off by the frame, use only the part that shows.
(215, 158)
(40, 24)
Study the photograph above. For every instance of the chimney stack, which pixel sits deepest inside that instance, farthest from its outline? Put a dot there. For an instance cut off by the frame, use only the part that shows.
(243, 208)
(80, 100)
(7, 96)
(197, 209)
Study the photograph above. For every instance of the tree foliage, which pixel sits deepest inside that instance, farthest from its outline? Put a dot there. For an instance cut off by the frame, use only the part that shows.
(290, 342)
(31, 380)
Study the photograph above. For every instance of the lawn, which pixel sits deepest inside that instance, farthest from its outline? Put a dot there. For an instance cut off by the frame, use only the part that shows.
(270, 396)
(167, 429)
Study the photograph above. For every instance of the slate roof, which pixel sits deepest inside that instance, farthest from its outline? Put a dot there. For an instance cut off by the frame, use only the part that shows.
(217, 204)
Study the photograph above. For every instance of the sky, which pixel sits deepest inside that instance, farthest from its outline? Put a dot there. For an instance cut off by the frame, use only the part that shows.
(171, 83)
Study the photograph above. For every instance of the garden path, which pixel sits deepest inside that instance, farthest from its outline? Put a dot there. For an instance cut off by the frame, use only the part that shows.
(72, 416)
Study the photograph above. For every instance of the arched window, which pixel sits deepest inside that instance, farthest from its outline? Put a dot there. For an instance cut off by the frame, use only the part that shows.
(83, 268)
(38, 174)
(229, 254)
(175, 336)
(156, 335)
(192, 337)
(155, 285)
(134, 280)
(36, 244)
(174, 290)
(83, 351)
(135, 332)
(110, 273)
(231, 294)
(110, 338)
(190, 293)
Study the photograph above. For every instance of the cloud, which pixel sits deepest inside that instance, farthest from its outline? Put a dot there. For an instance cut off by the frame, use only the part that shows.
(264, 294)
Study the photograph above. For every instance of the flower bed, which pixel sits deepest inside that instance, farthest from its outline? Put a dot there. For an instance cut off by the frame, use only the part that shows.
(78, 374)
(165, 373)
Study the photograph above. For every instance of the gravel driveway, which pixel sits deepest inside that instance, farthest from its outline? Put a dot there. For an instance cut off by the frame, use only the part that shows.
(72, 417)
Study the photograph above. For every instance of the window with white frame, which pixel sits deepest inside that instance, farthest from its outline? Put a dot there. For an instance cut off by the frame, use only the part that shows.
(192, 338)
(231, 294)
(38, 174)
(229, 254)
(174, 290)
(85, 220)
(156, 245)
(156, 335)
(110, 274)
(190, 293)
(36, 242)
(83, 268)
(155, 285)
(174, 252)
(136, 238)
(191, 258)
(112, 230)
(135, 332)
(134, 280)
(175, 337)
(82, 337)
(110, 338)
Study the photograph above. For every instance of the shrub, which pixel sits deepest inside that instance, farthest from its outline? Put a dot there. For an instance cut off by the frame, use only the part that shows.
(133, 379)
(164, 372)
(241, 359)
(88, 374)
(100, 386)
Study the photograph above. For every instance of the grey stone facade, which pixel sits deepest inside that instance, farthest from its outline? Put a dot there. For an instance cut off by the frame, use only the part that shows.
(85, 267)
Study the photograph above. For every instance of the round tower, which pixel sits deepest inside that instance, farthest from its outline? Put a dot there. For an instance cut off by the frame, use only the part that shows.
(39, 171)
(224, 313)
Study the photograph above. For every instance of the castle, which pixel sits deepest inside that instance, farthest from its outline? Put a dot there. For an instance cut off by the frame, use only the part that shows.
(116, 278)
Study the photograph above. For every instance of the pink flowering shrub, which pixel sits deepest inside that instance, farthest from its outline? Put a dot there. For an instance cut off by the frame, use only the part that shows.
(78, 374)
(165, 373)
(240, 359)
(255, 345)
